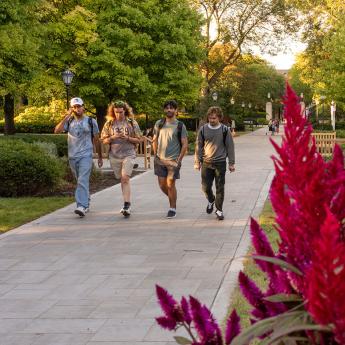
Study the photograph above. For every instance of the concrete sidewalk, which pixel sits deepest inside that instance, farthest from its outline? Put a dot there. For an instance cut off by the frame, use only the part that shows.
(71, 281)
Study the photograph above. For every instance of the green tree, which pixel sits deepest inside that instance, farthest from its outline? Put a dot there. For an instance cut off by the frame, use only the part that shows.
(18, 52)
(142, 51)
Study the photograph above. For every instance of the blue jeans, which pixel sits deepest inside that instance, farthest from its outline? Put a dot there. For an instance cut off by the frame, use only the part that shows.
(81, 168)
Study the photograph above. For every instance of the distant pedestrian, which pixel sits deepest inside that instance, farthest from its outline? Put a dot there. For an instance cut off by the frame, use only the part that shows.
(83, 133)
(123, 134)
(170, 144)
(214, 146)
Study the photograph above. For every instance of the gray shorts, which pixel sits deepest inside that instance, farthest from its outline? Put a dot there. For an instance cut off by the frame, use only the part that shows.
(166, 168)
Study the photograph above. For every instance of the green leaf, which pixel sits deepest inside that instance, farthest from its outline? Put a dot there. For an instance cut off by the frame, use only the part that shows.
(266, 326)
(284, 298)
(182, 341)
(278, 262)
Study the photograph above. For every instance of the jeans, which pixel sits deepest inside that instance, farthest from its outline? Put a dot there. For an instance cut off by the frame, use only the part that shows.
(81, 168)
(209, 173)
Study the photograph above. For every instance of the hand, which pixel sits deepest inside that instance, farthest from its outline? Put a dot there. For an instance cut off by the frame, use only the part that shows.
(232, 168)
(100, 162)
(106, 140)
(197, 165)
(179, 164)
(117, 136)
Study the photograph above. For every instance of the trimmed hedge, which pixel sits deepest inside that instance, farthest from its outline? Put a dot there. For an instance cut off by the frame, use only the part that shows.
(60, 140)
(26, 169)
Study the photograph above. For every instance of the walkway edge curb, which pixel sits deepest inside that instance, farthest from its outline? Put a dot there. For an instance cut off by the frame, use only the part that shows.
(220, 305)
(62, 209)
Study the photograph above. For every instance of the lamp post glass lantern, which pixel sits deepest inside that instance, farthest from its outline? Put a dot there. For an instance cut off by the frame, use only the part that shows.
(67, 77)
(215, 96)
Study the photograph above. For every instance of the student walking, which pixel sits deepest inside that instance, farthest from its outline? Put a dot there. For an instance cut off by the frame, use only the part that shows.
(123, 134)
(83, 133)
(170, 144)
(214, 146)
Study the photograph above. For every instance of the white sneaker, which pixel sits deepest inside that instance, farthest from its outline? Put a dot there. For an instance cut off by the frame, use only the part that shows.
(219, 214)
(86, 209)
(126, 211)
(80, 211)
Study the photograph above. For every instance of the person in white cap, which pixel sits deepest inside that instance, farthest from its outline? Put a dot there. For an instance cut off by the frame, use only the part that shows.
(83, 133)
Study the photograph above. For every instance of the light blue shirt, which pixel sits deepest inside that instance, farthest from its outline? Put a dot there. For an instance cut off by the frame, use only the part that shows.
(79, 137)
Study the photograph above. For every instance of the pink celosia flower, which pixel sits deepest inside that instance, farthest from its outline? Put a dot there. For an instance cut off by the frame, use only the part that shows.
(325, 280)
(233, 327)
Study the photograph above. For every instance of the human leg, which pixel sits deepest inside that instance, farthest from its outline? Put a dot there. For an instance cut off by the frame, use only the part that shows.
(220, 170)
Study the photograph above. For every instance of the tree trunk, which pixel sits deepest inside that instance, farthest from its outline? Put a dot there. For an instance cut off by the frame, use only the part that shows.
(101, 112)
(9, 115)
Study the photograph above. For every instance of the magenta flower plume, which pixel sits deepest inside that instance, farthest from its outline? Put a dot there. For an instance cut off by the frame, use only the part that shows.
(251, 292)
(186, 311)
(233, 327)
(169, 305)
(325, 281)
(205, 325)
(166, 322)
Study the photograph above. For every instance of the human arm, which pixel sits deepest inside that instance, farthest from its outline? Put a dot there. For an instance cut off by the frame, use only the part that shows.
(230, 149)
(60, 127)
(184, 145)
(199, 148)
(97, 143)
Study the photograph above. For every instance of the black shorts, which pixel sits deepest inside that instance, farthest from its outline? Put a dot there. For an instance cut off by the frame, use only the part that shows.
(166, 168)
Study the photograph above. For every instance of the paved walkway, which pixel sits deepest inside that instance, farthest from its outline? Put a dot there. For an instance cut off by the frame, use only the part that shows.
(71, 281)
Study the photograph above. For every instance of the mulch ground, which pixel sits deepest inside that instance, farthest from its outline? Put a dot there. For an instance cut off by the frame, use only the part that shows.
(98, 182)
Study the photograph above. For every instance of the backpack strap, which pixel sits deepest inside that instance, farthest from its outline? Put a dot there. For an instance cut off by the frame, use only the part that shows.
(225, 133)
(160, 126)
(202, 133)
(130, 121)
(179, 132)
(91, 126)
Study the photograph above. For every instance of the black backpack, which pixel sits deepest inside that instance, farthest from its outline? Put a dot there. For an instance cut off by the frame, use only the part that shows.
(89, 120)
(225, 133)
(179, 129)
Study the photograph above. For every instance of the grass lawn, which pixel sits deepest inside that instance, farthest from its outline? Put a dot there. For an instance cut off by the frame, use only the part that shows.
(237, 301)
(18, 211)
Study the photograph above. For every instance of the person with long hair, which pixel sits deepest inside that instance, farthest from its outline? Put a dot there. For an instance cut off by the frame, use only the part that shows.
(123, 134)
(214, 146)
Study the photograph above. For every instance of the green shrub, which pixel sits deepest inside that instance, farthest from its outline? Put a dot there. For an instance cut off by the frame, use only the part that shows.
(191, 137)
(39, 119)
(48, 148)
(340, 133)
(60, 140)
(25, 169)
(339, 125)
(322, 127)
(262, 121)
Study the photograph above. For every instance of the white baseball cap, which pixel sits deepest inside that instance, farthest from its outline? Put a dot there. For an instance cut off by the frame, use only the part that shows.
(76, 101)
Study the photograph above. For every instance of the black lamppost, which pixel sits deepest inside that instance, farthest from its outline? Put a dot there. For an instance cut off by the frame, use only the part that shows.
(67, 77)
(243, 106)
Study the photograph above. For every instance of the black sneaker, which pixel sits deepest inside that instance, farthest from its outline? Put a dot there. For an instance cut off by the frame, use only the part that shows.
(219, 214)
(171, 214)
(126, 211)
(209, 208)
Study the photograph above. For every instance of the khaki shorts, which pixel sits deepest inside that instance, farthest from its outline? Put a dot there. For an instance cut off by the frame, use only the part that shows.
(122, 166)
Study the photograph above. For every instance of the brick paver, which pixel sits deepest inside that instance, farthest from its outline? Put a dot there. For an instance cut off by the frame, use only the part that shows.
(71, 281)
